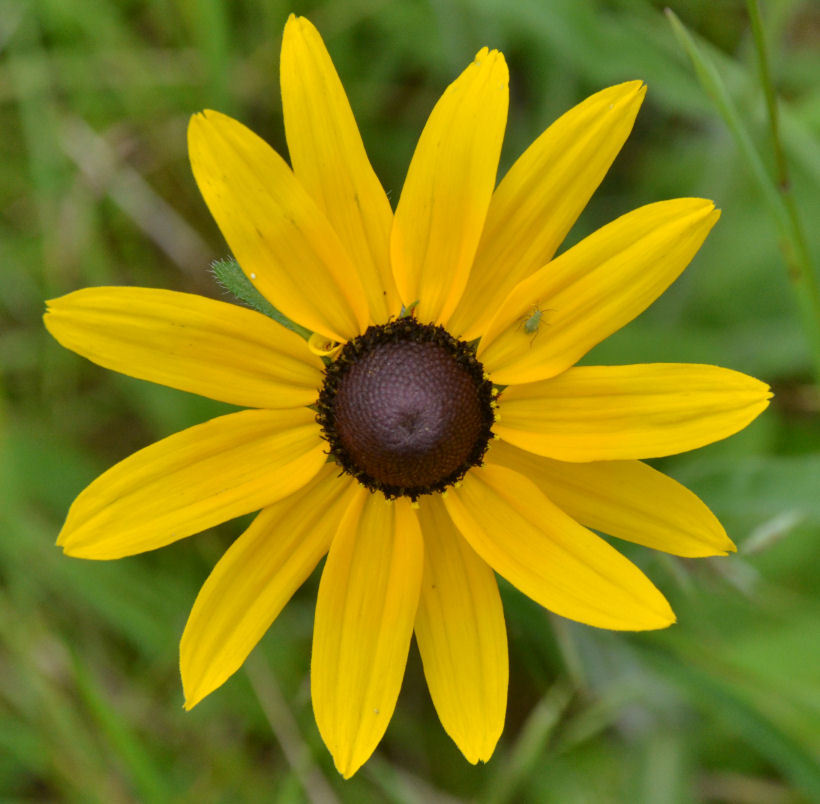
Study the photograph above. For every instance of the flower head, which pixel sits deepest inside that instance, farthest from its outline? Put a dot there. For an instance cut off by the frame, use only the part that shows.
(447, 433)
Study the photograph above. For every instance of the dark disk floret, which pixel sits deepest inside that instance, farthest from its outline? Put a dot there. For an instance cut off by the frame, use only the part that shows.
(406, 408)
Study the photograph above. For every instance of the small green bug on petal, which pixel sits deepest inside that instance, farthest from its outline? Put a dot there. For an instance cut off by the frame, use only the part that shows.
(533, 321)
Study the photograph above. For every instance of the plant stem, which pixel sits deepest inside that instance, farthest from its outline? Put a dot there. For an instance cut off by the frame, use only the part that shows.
(801, 259)
(777, 194)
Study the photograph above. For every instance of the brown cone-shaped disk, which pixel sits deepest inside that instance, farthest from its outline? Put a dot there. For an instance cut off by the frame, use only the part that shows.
(406, 408)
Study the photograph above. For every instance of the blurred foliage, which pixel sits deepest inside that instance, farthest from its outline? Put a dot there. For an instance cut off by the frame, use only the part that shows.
(95, 188)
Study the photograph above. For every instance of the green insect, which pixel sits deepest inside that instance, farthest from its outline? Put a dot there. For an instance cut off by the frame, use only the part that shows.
(533, 321)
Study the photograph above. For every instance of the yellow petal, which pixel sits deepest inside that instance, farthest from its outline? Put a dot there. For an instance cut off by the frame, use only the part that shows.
(255, 578)
(194, 480)
(447, 191)
(627, 499)
(461, 636)
(549, 556)
(540, 198)
(329, 159)
(606, 413)
(207, 347)
(367, 603)
(283, 242)
(593, 289)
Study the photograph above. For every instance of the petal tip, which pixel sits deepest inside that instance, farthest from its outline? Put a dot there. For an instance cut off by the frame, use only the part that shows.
(68, 544)
(666, 617)
(661, 618)
(688, 206)
(345, 764)
(48, 319)
(619, 96)
(765, 396)
(191, 689)
(74, 551)
(297, 25)
(659, 613)
(481, 55)
(494, 61)
(196, 128)
(480, 754)
(632, 90)
(78, 551)
(721, 546)
(703, 213)
(202, 118)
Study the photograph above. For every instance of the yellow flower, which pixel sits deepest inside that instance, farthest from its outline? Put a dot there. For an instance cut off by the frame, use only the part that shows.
(409, 405)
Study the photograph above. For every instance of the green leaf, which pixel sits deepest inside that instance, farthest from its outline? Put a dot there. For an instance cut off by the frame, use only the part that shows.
(229, 274)
(726, 693)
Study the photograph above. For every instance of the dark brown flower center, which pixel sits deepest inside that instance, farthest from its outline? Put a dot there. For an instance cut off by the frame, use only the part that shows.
(406, 409)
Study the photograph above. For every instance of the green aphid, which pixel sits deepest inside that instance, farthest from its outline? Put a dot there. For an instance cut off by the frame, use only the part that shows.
(533, 322)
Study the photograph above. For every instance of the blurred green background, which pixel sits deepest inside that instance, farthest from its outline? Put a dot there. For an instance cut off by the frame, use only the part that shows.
(95, 188)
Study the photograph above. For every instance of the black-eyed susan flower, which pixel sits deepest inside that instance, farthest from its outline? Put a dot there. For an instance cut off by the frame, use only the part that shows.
(448, 434)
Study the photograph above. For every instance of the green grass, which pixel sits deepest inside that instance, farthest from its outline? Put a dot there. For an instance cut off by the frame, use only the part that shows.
(95, 188)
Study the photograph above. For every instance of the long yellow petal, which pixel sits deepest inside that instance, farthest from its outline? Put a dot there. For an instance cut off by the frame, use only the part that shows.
(626, 499)
(611, 413)
(540, 198)
(461, 636)
(207, 347)
(444, 201)
(592, 290)
(549, 556)
(194, 480)
(255, 578)
(365, 610)
(282, 240)
(329, 159)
